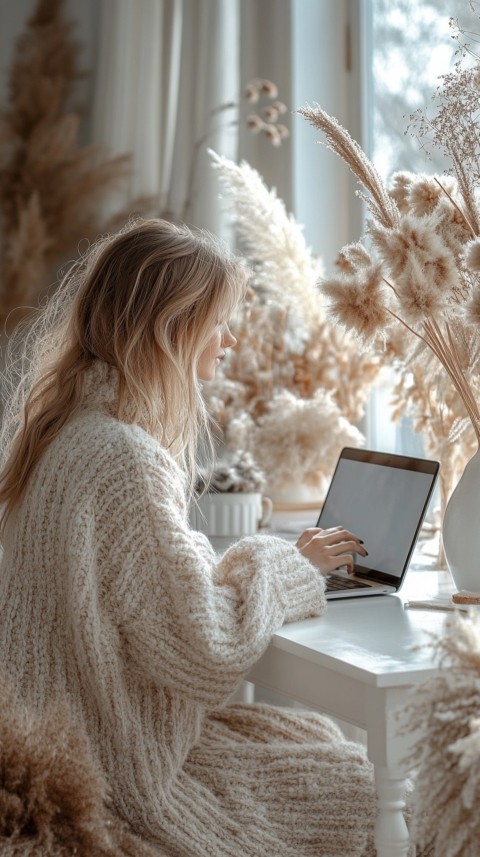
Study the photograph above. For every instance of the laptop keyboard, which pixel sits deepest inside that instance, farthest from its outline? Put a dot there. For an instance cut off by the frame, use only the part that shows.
(335, 582)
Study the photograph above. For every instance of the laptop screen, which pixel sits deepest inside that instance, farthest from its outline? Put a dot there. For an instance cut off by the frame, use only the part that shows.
(382, 498)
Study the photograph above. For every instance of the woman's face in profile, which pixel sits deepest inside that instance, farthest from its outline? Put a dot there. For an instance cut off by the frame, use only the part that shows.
(214, 352)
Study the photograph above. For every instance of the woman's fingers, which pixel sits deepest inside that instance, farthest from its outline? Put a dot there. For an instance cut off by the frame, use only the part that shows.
(307, 535)
(329, 549)
(340, 547)
(324, 560)
(332, 563)
(339, 534)
(338, 538)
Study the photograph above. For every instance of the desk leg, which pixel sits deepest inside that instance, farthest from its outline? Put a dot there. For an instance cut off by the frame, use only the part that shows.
(391, 832)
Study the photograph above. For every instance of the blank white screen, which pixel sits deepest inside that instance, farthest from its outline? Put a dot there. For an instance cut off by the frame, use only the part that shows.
(381, 505)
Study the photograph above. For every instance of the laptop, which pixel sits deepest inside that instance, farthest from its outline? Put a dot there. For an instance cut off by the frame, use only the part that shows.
(382, 498)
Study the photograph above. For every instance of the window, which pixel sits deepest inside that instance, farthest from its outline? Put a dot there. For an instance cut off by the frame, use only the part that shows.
(408, 46)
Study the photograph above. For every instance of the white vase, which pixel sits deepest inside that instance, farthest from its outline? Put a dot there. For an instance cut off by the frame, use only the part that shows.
(461, 528)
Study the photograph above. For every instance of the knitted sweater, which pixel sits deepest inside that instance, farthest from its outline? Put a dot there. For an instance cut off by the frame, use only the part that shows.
(108, 597)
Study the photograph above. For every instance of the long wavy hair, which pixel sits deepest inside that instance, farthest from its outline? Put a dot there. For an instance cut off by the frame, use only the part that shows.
(146, 301)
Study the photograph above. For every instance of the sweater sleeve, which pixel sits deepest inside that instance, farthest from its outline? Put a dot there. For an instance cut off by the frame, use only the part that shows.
(190, 620)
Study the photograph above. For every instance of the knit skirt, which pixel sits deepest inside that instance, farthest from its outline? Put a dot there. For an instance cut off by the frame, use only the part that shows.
(281, 783)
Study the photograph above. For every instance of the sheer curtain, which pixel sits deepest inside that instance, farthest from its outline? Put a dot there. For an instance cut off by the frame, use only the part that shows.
(164, 69)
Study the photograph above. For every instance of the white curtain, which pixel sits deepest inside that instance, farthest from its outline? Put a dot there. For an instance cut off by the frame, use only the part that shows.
(164, 68)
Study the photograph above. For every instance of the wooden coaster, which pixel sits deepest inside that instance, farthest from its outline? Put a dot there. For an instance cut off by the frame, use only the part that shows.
(463, 596)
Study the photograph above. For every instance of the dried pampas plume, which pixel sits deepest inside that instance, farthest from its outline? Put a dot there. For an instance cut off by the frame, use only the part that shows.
(285, 338)
(380, 204)
(472, 255)
(284, 267)
(295, 436)
(425, 193)
(50, 187)
(445, 711)
(53, 799)
(356, 301)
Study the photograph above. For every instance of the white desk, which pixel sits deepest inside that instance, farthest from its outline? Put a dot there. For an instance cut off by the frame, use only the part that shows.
(357, 663)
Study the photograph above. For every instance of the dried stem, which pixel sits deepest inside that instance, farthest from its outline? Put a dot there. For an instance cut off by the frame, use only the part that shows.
(448, 357)
(456, 206)
(406, 326)
(339, 140)
(464, 184)
(392, 287)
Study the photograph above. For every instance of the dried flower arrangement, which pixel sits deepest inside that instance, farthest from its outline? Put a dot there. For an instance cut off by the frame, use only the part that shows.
(50, 187)
(291, 390)
(416, 289)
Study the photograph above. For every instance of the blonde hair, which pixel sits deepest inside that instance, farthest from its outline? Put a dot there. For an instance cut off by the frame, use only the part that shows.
(146, 301)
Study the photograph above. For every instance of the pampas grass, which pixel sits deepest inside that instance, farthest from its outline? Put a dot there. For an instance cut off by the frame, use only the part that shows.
(53, 800)
(284, 268)
(295, 436)
(285, 338)
(291, 362)
(50, 186)
(446, 713)
(380, 204)
(358, 300)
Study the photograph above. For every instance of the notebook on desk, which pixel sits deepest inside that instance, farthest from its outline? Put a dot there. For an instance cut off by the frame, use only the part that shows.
(382, 498)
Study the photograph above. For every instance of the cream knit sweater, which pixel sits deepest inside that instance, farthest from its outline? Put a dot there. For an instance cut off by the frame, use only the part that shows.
(108, 597)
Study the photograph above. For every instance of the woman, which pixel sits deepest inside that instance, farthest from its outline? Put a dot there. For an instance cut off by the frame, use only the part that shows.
(109, 599)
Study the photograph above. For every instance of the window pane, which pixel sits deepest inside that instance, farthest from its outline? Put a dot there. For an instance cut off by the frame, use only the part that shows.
(412, 46)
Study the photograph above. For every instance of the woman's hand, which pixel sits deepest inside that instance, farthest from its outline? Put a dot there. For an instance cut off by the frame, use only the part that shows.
(330, 549)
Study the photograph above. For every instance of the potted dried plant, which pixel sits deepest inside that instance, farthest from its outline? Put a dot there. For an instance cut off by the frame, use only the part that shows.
(230, 502)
